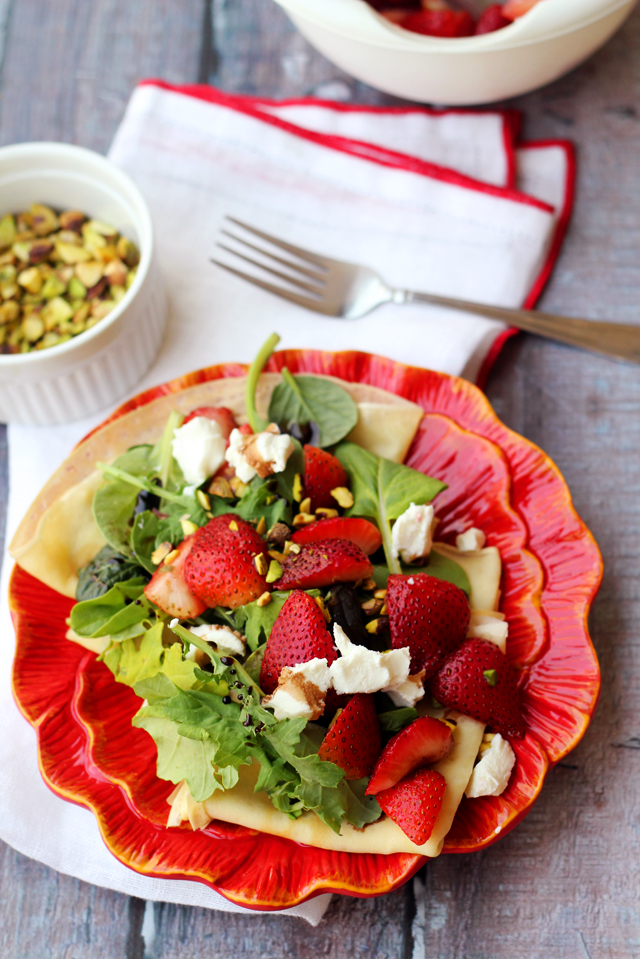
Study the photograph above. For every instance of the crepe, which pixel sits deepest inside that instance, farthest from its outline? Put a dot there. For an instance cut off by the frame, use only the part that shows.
(59, 534)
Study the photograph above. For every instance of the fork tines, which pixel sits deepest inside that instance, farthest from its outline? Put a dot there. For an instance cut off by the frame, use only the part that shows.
(313, 266)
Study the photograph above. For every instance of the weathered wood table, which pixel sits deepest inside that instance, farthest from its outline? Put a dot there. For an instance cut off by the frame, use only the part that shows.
(565, 884)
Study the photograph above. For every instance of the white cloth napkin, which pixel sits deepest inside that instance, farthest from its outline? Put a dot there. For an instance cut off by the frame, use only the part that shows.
(356, 183)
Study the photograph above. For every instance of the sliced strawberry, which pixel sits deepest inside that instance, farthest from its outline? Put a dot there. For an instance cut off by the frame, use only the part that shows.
(359, 531)
(220, 568)
(414, 803)
(323, 563)
(424, 741)
(222, 416)
(299, 634)
(353, 739)
(491, 19)
(168, 589)
(479, 681)
(429, 616)
(440, 23)
(322, 473)
(513, 9)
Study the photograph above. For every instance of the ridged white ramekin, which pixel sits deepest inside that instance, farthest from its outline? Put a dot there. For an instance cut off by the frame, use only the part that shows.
(554, 37)
(98, 367)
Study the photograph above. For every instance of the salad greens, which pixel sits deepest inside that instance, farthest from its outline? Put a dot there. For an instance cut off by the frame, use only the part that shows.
(205, 713)
(383, 490)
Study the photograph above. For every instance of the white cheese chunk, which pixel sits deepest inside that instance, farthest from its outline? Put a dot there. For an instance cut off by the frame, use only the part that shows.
(412, 533)
(222, 636)
(489, 626)
(491, 775)
(409, 692)
(198, 448)
(362, 670)
(259, 454)
(300, 691)
(471, 539)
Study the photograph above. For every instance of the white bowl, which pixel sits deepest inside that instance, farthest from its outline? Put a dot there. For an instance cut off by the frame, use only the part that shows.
(554, 37)
(98, 367)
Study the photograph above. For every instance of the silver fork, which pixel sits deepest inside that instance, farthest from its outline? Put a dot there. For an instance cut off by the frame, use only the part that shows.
(349, 291)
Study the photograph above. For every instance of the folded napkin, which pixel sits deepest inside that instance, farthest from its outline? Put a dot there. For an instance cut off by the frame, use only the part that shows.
(440, 201)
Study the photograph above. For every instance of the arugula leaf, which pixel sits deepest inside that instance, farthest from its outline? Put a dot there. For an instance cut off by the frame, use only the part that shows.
(180, 757)
(122, 606)
(133, 662)
(383, 490)
(253, 663)
(115, 501)
(311, 399)
(107, 568)
(442, 567)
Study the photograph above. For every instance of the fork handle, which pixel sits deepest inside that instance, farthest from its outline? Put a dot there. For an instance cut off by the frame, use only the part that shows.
(618, 340)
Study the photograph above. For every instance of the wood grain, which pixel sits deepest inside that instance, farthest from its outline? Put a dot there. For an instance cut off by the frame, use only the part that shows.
(564, 884)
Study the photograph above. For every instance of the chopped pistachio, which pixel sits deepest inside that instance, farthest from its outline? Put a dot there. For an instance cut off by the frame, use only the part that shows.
(261, 564)
(107, 253)
(77, 289)
(264, 599)
(100, 308)
(50, 339)
(56, 311)
(131, 275)
(9, 290)
(128, 251)
(24, 221)
(92, 241)
(117, 293)
(343, 496)
(275, 571)
(116, 273)
(188, 527)
(203, 499)
(89, 273)
(33, 328)
(104, 229)
(9, 312)
(7, 230)
(44, 219)
(82, 313)
(72, 220)
(31, 280)
(21, 250)
(68, 253)
(52, 287)
(65, 273)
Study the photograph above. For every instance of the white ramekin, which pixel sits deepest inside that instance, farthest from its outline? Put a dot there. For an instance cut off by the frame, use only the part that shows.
(554, 37)
(96, 368)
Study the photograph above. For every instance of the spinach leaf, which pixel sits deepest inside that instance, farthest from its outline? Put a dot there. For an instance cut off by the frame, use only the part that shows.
(311, 399)
(383, 490)
(107, 568)
(262, 499)
(123, 606)
(115, 501)
(396, 719)
(439, 566)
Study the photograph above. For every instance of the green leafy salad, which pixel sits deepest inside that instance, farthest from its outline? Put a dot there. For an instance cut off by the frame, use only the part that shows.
(203, 704)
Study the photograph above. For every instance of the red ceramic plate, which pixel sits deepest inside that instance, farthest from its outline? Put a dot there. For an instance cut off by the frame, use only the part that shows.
(90, 754)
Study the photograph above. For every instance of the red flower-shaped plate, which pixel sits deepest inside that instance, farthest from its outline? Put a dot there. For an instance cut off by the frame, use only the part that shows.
(90, 754)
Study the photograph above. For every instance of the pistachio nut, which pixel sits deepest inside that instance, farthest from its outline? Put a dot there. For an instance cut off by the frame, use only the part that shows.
(44, 220)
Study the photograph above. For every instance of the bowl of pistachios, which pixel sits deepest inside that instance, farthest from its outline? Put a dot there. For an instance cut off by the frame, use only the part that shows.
(82, 306)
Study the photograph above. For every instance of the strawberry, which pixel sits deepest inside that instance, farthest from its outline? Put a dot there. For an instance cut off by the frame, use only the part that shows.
(492, 18)
(299, 634)
(423, 741)
(513, 9)
(353, 739)
(414, 803)
(222, 416)
(429, 616)
(440, 23)
(168, 590)
(322, 473)
(479, 681)
(220, 567)
(359, 531)
(323, 563)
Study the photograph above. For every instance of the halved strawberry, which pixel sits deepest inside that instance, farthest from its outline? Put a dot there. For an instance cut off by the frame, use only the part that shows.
(491, 19)
(299, 634)
(220, 568)
(323, 563)
(479, 681)
(440, 23)
(414, 803)
(353, 739)
(429, 616)
(424, 741)
(359, 531)
(168, 589)
(322, 473)
(222, 416)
